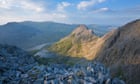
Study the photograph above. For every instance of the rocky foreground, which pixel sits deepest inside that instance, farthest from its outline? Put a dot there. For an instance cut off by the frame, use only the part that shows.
(17, 67)
(93, 73)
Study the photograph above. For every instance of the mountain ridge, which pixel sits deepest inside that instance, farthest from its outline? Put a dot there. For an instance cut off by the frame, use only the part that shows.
(121, 51)
(118, 49)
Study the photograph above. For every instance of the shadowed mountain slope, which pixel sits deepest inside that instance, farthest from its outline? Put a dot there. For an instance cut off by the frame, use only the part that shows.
(121, 51)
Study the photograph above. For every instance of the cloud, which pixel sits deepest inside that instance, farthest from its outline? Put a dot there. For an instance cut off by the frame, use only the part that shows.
(61, 6)
(21, 5)
(89, 11)
(83, 5)
(5, 4)
(100, 1)
(22, 10)
(101, 10)
(58, 17)
(28, 5)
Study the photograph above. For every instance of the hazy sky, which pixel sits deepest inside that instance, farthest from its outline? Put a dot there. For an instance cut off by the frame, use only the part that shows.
(115, 12)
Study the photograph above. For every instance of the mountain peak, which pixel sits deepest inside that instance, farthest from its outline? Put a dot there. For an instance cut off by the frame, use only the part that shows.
(82, 28)
(82, 33)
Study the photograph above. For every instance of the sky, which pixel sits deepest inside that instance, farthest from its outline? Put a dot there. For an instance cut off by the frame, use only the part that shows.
(106, 12)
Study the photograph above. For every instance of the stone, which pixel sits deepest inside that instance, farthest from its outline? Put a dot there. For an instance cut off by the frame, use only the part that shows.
(24, 75)
(108, 81)
(117, 81)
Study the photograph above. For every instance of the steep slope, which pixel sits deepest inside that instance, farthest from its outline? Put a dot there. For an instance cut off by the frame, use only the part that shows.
(121, 51)
(118, 49)
(123, 42)
(77, 44)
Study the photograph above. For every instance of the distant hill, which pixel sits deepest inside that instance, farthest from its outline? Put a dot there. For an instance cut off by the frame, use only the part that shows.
(17, 34)
(29, 34)
(101, 30)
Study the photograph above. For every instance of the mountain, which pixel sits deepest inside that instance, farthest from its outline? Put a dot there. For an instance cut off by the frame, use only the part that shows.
(124, 42)
(29, 34)
(119, 49)
(82, 42)
(17, 34)
(77, 43)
